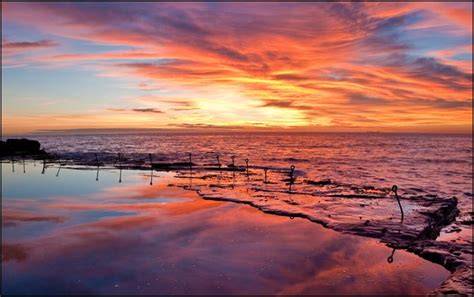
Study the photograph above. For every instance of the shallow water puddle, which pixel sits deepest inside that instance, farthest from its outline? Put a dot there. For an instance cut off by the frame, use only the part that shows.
(72, 234)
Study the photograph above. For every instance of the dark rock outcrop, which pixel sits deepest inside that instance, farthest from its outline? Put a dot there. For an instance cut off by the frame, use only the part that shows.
(17, 147)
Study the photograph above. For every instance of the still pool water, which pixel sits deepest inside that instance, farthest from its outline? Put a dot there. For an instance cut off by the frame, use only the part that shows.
(71, 234)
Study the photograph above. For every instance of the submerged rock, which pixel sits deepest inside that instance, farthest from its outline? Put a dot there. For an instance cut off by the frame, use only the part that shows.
(322, 182)
(171, 166)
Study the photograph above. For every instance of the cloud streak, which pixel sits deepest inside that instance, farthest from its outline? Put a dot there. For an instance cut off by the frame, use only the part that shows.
(25, 45)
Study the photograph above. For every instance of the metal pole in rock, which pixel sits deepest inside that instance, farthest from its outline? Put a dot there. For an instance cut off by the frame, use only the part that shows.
(218, 161)
(59, 169)
(190, 162)
(190, 170)
(394, 189)
(292, 179)
(44, 165)
(23, 159)
(247, 166)
(120, 168)
(265, 175)
(233, 161)
(233, 180)
(151, 166)
(97, 162)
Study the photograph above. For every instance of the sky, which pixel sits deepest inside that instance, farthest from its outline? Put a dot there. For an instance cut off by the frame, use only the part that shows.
(395, 67)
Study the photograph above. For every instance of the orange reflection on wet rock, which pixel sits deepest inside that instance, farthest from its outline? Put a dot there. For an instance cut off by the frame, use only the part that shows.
(115, 245)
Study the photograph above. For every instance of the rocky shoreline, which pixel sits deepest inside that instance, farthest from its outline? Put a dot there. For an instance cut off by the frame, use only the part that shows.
(359, 214)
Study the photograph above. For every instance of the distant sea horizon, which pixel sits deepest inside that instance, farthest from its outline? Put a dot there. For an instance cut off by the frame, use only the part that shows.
(141, 131)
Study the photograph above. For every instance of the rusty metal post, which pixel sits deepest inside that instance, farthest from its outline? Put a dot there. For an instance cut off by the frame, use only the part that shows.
(151, 168)
(120, 168)
(247, 166)
(97, 162)
(394, 189)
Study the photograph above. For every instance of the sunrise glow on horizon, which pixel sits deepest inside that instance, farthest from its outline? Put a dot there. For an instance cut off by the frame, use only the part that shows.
(395, 67)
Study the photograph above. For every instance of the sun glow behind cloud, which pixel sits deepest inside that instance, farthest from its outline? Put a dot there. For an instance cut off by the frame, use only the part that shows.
(305, 66)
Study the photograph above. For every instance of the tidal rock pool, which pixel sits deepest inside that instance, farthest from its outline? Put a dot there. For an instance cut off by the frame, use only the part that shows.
(78, 231)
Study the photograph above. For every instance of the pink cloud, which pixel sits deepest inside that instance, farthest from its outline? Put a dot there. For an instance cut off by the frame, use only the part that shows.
(305, 58)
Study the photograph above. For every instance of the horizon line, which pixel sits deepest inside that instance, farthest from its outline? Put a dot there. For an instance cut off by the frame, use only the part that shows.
(98, 131)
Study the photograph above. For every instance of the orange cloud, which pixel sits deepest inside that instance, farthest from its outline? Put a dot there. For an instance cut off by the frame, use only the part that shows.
(353, 65)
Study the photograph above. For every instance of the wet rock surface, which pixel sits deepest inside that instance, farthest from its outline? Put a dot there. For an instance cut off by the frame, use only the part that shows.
(359, 210)
(353, 209)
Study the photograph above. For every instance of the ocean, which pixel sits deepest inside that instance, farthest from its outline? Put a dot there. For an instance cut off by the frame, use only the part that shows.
(434, 163)
(432, 167)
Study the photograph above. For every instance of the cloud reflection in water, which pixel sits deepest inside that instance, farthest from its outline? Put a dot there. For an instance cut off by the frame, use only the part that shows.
(138, 242)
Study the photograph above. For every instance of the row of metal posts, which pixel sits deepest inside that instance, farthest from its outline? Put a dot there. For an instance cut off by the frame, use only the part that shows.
(265, 170)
